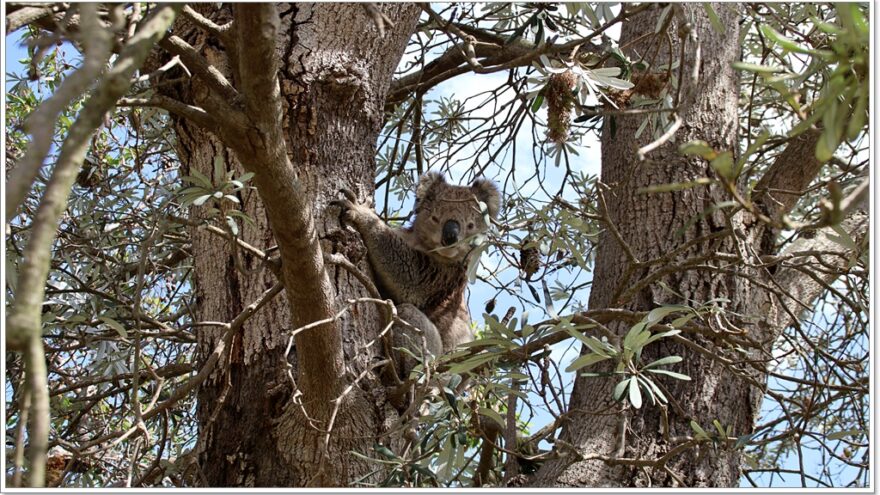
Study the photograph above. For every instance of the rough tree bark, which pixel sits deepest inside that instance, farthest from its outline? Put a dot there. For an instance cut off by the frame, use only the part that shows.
(335, 71)
(649, 225)
(259, 428)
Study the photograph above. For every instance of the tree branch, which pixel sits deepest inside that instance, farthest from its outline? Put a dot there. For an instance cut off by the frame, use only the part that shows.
(495, 51)
(196, 114)
(221, 32)
(824, 258)
(18, 18)
(200, 67)
(262, 150)
(792, 171)
(23, 323)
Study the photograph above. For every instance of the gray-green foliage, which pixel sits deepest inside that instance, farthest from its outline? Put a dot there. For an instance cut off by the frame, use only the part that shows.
(802, 64)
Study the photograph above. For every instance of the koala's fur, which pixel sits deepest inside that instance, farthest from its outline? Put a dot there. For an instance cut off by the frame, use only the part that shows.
(419, 267)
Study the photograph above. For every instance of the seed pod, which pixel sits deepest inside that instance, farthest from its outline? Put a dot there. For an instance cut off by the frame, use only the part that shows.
(529, 261)
(559, 105)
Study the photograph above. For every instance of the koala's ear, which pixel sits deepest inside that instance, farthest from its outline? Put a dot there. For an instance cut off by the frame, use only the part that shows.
(427, 183)
(486, 191)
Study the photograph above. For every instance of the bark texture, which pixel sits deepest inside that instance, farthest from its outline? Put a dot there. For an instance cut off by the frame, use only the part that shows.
(681, 244)
(648, 224)
(335, 72)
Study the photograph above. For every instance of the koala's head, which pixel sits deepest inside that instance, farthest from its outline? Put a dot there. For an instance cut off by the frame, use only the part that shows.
(448, 216)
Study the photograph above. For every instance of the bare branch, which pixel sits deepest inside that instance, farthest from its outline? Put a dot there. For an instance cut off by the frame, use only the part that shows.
(19, 18)
(201, 68)
(494, 52)
(379, 18)
(660, 141)
(262, 150)
(858, 198)
(196, 114)
(825, 251)
(221, 32)
(792, 171)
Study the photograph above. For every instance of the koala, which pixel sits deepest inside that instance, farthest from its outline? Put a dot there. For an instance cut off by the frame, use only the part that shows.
(422, 268)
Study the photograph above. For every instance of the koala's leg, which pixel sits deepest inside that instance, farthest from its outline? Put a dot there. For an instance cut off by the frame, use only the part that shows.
(422, 344)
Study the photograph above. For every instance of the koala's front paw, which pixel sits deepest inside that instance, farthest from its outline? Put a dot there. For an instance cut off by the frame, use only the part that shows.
(351, 211)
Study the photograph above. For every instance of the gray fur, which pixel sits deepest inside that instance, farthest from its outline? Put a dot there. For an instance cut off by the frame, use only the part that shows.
(425, 279)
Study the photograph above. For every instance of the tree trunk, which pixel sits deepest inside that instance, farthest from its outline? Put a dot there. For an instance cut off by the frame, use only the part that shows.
(648, 224)
(335, 73)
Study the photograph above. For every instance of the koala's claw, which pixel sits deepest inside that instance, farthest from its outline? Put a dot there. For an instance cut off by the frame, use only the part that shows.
(349, 195)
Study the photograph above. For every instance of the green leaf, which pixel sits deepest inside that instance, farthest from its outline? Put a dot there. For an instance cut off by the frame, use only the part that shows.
(700, 432)
(620, 388)
(839, 435)
(784, 42)
(490, 413)
(219, 167)
(682, 320)
(663, 362)
(539, 100)
(487, 342)
(474, 262)
(233, 226)
(635, 395)
(673, 374)
(698, 147)
(385, 451)
(674, 186)
(723, 165)
(203, 179)
(199, 180)
(751, 461)
(662, 17)
(658, 314)
(656, 393)
(115, 325)
(721, 432)
(661, 335)
(756, 68)
(548, 301)
(593, 343)
(859, 114)
(585, 360)
(713, 18)
(471, 363)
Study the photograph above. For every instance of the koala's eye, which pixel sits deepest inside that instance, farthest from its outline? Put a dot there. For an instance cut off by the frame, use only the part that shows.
(435, 219)
(471, 226)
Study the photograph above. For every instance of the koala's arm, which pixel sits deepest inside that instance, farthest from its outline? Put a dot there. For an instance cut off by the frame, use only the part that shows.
(406, 274)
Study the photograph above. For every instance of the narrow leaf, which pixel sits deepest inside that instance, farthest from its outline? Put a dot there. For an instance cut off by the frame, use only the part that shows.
(663, 362)
(701, 433)
(585, 360)
(635, 395)
(673, 374)
(620, 388)
(115, 325)
(713, 18)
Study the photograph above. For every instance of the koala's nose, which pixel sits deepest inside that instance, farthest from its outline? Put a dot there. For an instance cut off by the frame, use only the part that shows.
(450, 233)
